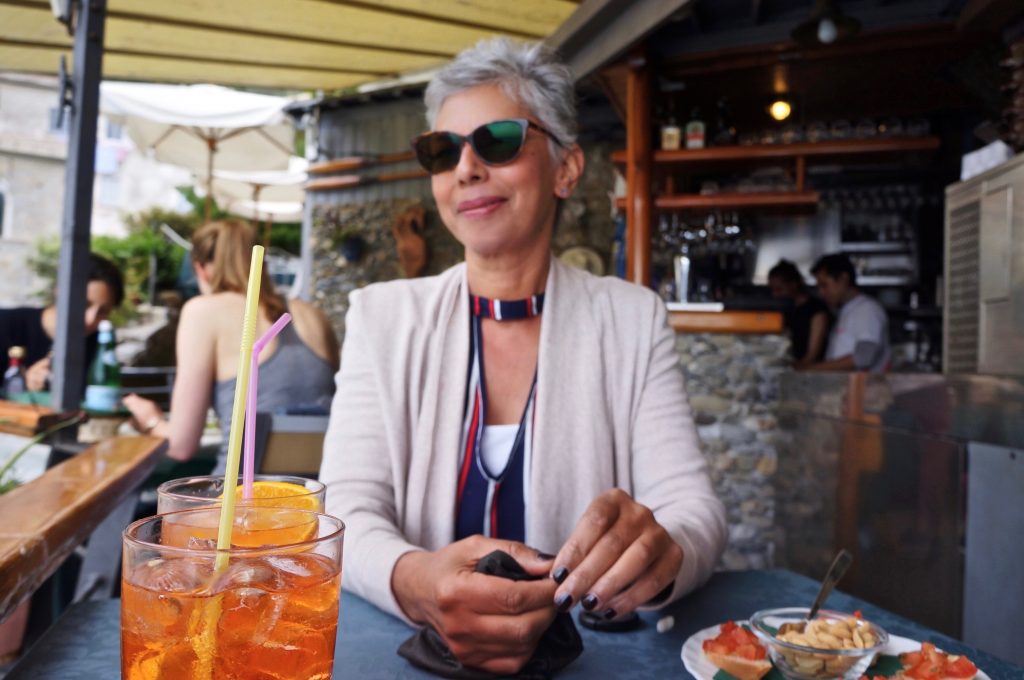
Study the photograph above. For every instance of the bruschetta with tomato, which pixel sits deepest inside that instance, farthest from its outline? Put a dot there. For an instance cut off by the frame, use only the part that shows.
(737, 652)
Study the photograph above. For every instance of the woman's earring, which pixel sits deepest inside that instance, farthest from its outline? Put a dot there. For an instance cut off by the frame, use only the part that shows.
(563, 192)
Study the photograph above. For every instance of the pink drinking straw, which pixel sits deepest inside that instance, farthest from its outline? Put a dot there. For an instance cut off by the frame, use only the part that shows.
(249, 460)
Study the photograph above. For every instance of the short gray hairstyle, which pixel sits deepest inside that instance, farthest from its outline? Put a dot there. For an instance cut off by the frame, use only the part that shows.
(530, 73)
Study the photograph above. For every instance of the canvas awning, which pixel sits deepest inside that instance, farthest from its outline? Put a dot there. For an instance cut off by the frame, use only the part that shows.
(295, 45)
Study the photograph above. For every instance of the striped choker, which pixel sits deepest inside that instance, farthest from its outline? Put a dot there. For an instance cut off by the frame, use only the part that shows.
(506, 310)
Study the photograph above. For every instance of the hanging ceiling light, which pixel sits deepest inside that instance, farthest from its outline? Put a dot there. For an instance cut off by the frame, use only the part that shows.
(826, 25)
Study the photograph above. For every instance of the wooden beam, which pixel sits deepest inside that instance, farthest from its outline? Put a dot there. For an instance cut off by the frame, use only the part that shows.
(351, 163)
(353, 181)
(199, 60)
(255, 23)
(118, 66)
(638, 171)
(448, 18)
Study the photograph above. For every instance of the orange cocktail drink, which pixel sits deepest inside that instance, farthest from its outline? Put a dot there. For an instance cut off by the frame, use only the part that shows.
(269, 611)
(268, 490)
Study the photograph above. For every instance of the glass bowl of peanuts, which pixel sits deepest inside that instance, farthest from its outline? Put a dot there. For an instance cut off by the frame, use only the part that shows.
(833, 645)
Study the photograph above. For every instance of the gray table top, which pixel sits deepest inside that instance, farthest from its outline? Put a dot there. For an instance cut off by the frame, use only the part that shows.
(85, 643)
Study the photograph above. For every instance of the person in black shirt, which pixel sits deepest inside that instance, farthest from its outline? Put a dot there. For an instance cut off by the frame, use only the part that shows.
(807, 319)
(35, 327)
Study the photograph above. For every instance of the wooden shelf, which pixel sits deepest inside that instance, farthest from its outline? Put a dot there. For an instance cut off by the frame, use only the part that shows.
(339, 182)
(734, 200)
(834, 149)
(350, 163)
(726, 322)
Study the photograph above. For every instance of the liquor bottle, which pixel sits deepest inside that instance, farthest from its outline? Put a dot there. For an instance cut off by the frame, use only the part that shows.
(695, 130)
(671, 133)
(14, 376)
(725, 131)
(103, 389)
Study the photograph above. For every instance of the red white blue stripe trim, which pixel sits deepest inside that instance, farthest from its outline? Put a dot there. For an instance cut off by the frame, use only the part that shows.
(492, 502)
(507, 310)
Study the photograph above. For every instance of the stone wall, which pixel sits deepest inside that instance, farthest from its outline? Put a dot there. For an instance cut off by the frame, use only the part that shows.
(733, 386)
(335, 277)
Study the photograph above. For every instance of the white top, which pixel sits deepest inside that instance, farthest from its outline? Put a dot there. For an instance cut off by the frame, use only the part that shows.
(862, 330)
(496, 447)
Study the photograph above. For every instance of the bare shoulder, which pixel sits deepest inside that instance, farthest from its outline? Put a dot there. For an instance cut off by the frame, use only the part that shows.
(216, 303)
(311, 317)
(315, 329)
(205, 315)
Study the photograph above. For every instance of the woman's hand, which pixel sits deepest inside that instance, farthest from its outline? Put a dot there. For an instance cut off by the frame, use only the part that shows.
(146, 415)
(616, 559)
(37, 374)
(487, 622)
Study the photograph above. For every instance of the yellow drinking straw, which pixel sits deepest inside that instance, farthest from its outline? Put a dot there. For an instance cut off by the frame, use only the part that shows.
(227, 508)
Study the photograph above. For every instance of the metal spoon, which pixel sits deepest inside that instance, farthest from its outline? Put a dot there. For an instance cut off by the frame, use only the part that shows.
(839, 566)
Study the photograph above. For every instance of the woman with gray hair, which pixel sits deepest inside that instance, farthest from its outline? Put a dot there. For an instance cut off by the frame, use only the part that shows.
(512, 401)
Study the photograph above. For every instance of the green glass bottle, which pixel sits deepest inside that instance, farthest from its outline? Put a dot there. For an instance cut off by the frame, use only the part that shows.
(103, 390)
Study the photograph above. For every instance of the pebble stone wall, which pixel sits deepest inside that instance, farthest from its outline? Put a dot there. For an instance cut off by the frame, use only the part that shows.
(733, 385)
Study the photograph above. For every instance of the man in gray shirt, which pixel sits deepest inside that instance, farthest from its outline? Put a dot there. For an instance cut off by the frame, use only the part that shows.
(860, 337)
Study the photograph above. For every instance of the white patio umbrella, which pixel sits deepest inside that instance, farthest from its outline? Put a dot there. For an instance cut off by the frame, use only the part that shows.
(205, 128)
(263, 195)
(272, 211)
(279, 186)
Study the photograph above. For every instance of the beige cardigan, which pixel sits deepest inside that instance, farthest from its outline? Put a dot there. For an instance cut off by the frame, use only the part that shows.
(611, 412)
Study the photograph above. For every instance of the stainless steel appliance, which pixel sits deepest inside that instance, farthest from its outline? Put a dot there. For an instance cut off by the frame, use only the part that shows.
(983, 329)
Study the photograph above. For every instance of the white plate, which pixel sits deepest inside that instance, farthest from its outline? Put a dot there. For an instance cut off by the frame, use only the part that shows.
(695, 661)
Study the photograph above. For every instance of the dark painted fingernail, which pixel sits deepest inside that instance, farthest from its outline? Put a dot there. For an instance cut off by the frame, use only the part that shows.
(589, 601)
(564, 602)
(560, 575)
(545, 556)
(608, 614)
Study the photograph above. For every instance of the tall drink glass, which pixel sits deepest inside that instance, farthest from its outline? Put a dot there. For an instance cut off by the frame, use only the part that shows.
(272, 490)
(271, 612)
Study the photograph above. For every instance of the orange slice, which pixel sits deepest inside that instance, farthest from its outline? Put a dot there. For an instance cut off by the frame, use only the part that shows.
(270, 494)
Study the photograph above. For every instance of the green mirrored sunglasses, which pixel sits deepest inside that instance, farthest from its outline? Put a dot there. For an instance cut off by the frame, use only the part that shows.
(495, 143)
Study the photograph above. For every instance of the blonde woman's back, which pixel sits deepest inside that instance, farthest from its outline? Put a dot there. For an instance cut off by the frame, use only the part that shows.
(222, 315)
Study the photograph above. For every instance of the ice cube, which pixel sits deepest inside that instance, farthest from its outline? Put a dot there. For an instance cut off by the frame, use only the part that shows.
(253, 602)
(250, 572)
(293, 565)
(158, 591)
(173, 575)
(198, 543)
